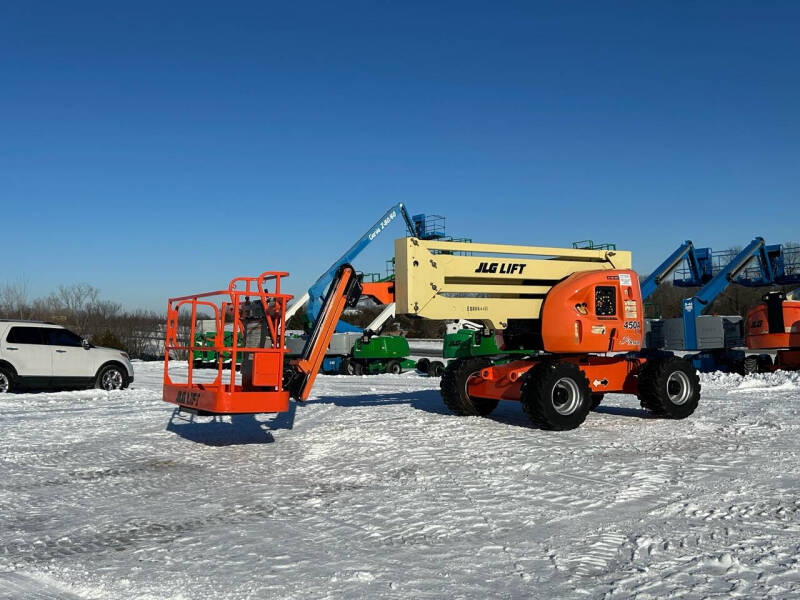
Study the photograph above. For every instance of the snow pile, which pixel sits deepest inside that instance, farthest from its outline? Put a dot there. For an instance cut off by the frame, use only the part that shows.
(757, 382)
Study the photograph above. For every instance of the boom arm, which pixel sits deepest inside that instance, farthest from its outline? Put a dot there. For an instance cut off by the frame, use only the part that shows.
(345, 290)
(490, 283)
(378, 322)
(685, 250)
(695, 306)
(316, 292)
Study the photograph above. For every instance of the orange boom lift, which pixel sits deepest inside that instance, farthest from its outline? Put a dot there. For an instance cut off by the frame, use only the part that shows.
(560, 328)
(774, 325)
(566, 327)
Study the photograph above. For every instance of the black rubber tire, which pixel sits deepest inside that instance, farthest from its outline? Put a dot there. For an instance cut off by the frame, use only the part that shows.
(423, 364)
(545, 386)
(394, 367)
(436, 368)
(596, 399)
(111, 377)
(751, 365)
(765, 364)
(454, 388)
(7, 385)
(669, 387)
(358, 368)
(347, 367)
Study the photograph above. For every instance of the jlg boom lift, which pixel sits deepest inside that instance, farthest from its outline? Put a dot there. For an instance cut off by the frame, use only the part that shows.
(575, 315)
(572, 317)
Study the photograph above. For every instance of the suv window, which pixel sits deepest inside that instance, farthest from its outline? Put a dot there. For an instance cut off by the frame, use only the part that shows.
(26, 335)
(63, 337)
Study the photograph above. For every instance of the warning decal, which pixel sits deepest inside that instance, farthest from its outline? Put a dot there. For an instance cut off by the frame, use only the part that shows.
(630, 309)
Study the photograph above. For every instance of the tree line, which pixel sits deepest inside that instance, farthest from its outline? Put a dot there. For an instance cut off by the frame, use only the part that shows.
(78, 307)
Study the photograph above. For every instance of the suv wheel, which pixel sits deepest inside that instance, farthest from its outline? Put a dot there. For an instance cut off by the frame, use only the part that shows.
(111, 378)
(6, 381)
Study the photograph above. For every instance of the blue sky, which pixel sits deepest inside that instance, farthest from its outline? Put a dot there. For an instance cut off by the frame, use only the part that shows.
(157, 149)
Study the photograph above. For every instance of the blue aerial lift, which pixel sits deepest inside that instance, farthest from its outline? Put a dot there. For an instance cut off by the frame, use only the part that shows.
(756, 265)
(695, 306)
(712, 338)
(316, 293)
(777, 265)
(421, 226)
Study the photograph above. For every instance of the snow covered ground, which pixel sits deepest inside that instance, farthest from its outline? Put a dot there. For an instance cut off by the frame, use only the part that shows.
(373, 490)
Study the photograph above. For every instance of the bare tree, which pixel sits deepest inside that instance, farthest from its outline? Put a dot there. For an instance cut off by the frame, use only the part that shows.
(14, 299)
(76, 301)
(791, 258)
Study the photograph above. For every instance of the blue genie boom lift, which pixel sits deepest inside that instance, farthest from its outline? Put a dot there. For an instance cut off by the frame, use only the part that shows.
(777, 265)
(698, 271)
(714, 339)
(315, 296)
(421, 226)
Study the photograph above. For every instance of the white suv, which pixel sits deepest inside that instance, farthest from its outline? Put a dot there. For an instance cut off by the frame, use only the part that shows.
(34, 354)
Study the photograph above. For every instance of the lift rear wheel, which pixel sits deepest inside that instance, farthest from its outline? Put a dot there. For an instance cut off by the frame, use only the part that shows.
(454, 388)
(596, 400)
(670, 387)
(556, 395)
(394, 367)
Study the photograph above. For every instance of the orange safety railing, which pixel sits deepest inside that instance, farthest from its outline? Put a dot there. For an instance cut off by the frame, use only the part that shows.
(246, 301)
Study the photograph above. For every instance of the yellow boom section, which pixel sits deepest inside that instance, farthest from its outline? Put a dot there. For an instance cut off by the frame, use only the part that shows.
(491, 283)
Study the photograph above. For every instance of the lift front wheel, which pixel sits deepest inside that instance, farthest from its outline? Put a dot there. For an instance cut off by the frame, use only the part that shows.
(454, 388)
(394, 367)
(669, 387)
(556, 395)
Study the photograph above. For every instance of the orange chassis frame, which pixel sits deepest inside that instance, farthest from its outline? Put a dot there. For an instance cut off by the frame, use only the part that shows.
(226, 397)
(606, 374)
